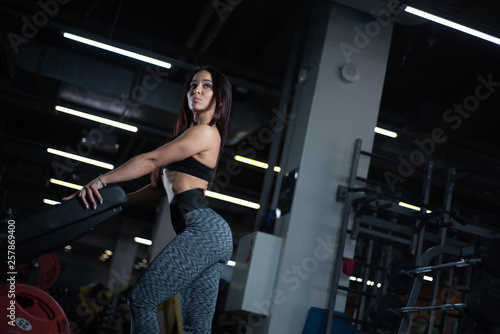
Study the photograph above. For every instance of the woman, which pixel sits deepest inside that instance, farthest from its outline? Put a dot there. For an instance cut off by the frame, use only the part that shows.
(192, 263)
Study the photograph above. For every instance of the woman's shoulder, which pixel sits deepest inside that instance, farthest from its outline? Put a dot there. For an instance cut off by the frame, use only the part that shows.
(203, 131)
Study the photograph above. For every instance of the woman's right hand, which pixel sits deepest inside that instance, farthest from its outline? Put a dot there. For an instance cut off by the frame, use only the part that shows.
(87, 194)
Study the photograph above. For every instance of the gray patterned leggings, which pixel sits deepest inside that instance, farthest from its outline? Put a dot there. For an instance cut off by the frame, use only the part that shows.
(190, 265)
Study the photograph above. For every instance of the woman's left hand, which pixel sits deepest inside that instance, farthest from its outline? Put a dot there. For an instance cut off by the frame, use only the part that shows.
(88, 192)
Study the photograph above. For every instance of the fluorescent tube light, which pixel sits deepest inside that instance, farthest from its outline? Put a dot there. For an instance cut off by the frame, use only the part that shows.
(231, 199)
(97, 119)
(428, 278)
(80, 158)
(256, 163)
(231, 263)
(65, 184)
(143, 241)
(409, 206)
(120, 51)
(452, 25)
(385, 132)
(412, 207)
(252, 162)
(50, 202)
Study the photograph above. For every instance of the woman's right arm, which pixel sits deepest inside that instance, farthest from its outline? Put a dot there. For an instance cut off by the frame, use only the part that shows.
(145, 194)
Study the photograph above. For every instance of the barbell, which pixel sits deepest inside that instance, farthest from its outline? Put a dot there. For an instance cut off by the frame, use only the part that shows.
(401, 272)
(387, 311)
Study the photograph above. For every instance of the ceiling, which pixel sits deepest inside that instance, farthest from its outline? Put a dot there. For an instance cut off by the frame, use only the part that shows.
(435, 81)
(430, 69)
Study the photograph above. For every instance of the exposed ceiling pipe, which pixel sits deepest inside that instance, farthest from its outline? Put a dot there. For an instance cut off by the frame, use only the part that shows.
(213, 32)
(202, 24)
(115, 19)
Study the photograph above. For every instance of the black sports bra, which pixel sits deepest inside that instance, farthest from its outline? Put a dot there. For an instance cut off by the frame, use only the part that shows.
(192, 167)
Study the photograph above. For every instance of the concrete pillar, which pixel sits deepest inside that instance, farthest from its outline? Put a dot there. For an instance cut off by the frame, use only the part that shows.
(122, 261)
(329, 113)
(163, 231)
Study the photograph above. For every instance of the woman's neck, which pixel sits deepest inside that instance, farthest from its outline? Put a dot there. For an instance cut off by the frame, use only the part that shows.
(205, 118)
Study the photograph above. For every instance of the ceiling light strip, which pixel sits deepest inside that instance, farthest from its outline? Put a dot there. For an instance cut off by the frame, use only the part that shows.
(385, 132)
(256, 163)
(50, 202)
(409, 206)
(412, 207)
(65, 184)
(80, 158)
(231, 199)
(143, 241)
(252, 162)
(97, 119)
(117, 50)
(452, 25)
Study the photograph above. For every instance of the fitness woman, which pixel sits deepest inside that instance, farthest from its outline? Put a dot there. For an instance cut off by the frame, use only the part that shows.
(182, 169)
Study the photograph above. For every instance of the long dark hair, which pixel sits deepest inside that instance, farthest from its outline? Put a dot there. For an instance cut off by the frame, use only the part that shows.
(223, 97)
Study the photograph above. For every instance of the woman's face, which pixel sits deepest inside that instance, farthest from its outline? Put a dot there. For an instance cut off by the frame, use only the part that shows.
(201, 94)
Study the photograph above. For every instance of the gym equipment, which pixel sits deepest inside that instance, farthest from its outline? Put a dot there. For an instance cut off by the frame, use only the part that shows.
(388, 311)
(489, 257)
(41, 272)
(55, 227)
(34, 311)
(401, 272)
(30, 308)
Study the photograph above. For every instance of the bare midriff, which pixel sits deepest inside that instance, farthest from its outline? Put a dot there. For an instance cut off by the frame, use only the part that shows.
(181, 182)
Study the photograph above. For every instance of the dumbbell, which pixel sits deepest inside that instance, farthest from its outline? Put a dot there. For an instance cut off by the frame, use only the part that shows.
(401, 272)
(387, 311)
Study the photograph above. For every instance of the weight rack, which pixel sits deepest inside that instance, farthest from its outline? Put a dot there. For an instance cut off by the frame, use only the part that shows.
(369, 204)
(367, 208)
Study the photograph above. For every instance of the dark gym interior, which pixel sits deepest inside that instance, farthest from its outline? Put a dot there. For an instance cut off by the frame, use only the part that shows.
(431, 71)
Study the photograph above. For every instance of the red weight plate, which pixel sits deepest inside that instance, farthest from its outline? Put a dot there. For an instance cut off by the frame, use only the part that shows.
(48, 271)
(30, 309)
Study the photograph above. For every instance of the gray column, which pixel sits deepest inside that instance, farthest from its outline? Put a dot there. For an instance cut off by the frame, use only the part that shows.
(163, 231)
(122, 261)
(330, 111)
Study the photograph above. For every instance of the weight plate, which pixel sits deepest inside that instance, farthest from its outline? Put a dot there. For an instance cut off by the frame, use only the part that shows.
(396, 278)
(482, 304)
(31, 310)
(48, 271)
(489, 256)
(380, 314)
